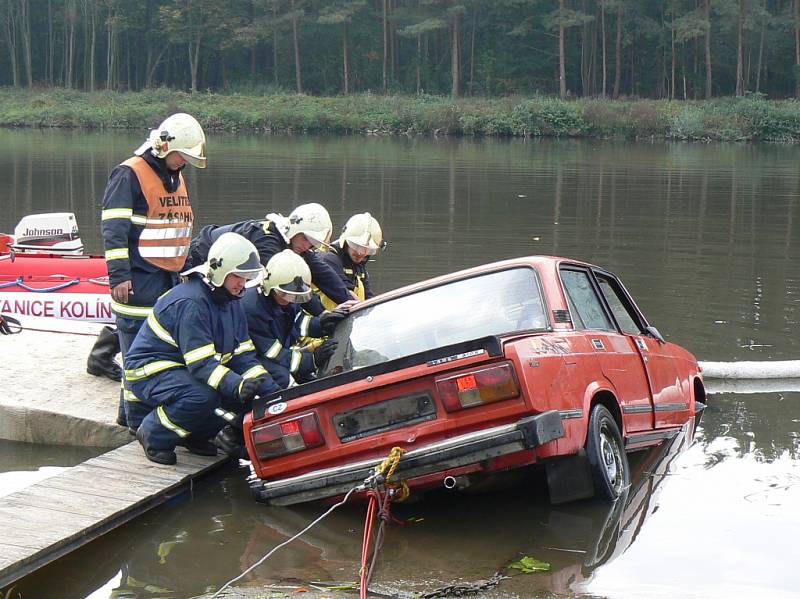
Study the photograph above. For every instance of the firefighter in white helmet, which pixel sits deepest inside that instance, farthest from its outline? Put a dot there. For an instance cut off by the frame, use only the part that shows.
(307, 228)
(147, 223)
(277, 322)
(193, 365)
(361, 240)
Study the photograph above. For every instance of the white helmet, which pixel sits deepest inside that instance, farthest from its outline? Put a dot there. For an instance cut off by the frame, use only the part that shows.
(289, 274)
(363, 232)
(178, 133)
(313, 221)
(230, 253)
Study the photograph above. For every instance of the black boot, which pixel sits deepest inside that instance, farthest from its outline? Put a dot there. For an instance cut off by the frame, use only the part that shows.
(199, 446)
(159, 456)
(231, 441)
(101, 358)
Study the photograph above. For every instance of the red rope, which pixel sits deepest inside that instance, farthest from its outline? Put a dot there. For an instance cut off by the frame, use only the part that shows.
(374, 499)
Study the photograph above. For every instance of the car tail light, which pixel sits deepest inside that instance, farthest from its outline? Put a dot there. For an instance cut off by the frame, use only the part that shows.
(287, 436)
(478, 387)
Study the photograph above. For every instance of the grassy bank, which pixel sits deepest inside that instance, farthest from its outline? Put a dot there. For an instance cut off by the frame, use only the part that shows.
(726, 119)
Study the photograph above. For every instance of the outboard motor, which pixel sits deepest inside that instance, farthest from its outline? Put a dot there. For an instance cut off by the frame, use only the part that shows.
(53, 233)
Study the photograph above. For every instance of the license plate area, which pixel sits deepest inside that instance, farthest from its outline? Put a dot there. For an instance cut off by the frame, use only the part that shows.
(384, 416)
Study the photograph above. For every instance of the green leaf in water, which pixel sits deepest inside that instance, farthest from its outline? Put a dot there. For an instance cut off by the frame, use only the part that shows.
(529, 565)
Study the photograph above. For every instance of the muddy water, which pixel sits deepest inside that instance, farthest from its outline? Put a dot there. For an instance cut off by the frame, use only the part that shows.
(704, 236)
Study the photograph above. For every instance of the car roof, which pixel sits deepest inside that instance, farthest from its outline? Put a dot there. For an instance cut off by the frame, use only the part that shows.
(546, 265)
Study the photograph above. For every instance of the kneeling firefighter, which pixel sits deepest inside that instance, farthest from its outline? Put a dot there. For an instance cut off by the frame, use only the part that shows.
(194, 356)
(277, 322)
(361, 240)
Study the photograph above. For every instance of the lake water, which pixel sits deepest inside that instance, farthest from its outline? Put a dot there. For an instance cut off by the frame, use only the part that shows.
(704, 236)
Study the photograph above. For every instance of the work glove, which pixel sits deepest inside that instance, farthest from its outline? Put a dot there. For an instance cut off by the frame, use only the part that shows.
(247, 390)
(329, 320)
(323, 353)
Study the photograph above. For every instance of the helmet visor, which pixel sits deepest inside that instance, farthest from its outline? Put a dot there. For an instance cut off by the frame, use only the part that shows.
(296, 291)
(295, 297)
(195, 156)
(370, 249)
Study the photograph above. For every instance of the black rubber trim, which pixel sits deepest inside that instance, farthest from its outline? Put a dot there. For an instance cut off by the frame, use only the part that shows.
(490, 344)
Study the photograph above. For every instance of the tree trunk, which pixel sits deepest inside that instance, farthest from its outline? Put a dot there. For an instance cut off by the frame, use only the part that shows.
(761, 50)
(345, 65)
(385, 43)
(707, 10)
(672, 48)
(51, 38)
(419, 63)
(70, 43)
(472, 48)
(604, 88)
(797, 48)
(194, 60)
(618, 56)
(740, 48)
(275, 42)
(25, 25)
(92, 46)
(110, 50)
(10, 26)
(562, 71)
(296, 40)
(455, 55)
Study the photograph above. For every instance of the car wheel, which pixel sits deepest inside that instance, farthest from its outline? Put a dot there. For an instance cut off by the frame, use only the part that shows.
(606, 453)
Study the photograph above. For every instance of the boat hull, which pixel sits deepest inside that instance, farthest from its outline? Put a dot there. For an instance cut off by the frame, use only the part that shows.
(53, 291)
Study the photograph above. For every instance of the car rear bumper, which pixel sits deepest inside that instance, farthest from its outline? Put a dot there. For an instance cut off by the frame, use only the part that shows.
(463, 450)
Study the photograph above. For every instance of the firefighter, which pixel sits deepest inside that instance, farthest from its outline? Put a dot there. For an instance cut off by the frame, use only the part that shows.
(194, 355)
(361, 239)
(277, 323)
(307, 228)
(147, 224)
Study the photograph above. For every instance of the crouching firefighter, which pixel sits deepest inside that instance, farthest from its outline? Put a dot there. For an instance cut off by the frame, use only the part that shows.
(193, 363)
(277, 322)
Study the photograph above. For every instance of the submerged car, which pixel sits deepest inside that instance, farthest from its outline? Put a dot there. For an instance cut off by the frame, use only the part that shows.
(531, 361)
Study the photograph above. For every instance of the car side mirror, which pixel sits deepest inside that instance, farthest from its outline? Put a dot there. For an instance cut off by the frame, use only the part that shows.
(653, 332)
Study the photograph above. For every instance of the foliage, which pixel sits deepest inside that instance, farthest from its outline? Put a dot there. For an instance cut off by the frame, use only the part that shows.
(529, 565)
(504, 47)
(752, 118)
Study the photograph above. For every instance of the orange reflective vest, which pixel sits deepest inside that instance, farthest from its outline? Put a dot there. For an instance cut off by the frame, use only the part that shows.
(164, 241)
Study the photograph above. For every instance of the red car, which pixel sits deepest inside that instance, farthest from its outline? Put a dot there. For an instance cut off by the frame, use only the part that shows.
(536, 360)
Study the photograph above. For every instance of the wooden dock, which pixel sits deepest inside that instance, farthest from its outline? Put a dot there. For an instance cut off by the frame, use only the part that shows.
(57, 515)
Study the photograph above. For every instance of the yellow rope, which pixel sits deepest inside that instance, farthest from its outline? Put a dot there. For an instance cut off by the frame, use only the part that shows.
(390, 463)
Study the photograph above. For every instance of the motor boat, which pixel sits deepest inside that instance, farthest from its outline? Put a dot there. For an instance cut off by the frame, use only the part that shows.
(47, 282)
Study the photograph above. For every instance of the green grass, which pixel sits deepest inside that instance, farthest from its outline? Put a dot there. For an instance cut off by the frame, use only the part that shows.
(727, 119)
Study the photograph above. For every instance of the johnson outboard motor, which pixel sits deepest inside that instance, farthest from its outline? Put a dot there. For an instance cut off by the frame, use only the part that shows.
(53, 233)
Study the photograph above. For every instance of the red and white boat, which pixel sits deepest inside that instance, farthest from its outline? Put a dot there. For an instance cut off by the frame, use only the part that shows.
(47, 282)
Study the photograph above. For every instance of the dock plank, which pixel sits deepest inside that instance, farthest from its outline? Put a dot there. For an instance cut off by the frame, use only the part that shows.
(57, 515)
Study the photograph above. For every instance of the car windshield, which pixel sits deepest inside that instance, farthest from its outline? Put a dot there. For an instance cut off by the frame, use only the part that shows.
(489, 304)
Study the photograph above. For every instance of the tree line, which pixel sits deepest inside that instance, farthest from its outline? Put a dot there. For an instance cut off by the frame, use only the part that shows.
(676, 49)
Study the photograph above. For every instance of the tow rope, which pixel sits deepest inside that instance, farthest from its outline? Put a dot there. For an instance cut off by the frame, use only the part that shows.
(381, 494)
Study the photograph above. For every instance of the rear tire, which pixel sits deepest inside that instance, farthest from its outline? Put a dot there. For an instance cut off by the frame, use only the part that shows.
(606, 453)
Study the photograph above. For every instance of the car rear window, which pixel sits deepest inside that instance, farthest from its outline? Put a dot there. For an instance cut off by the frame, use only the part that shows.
(489, 304)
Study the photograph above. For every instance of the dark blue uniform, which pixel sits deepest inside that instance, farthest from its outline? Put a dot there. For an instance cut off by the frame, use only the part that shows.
(274, 329)
(189, 358)
(124, 214)
(350, 272)
(268, 240)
